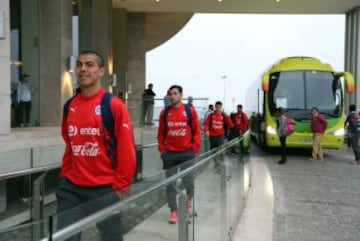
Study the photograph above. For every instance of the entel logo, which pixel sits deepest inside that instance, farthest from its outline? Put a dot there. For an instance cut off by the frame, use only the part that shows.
(85, 131)
(89, 131)
(72, 130)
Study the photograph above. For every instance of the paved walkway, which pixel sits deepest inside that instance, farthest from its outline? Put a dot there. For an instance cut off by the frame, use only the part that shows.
(316, 201)
(258, 212)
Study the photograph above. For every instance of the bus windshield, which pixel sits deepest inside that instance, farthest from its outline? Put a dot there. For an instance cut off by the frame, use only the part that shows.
(299, 91)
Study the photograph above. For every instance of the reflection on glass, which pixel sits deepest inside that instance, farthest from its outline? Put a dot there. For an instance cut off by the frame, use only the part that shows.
(298, 92)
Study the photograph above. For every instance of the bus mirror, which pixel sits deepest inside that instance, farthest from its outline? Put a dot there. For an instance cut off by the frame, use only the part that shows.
(349, 82)
(265, 82)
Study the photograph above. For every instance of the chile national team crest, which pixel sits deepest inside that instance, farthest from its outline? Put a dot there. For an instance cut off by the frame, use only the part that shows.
(98, 110)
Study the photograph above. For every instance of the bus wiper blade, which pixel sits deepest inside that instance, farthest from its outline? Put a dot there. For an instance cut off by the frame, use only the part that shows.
(328, 114)
(287, 109)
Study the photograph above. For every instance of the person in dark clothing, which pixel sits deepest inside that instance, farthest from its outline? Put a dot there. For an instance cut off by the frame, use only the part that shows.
(148, 105)
(24, 96)
(352, 121)
(281, 131)
(120, 95)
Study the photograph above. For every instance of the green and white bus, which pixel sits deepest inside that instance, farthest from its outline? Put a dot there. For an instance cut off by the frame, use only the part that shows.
(297, 84)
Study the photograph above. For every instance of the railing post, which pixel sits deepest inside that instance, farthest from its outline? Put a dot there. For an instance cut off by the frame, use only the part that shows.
(183, 216)
(223, 200)
(50, 227)
(37, 207)
(139, 162)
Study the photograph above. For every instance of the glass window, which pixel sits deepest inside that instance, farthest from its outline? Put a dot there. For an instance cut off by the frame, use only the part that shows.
(299, 91)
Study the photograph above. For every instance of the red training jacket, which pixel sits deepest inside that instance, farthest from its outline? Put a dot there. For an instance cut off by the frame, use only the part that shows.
(217, 123)
(241, 121)
(85, 161)
(175, 134)
(318, 124)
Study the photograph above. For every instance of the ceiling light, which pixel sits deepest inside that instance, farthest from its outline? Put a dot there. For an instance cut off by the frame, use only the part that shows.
(157, 1)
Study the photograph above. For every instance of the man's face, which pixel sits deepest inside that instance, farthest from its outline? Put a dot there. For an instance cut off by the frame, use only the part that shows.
(239, 109)
(218, 108)
(88, 70)
(314, 112)
(174, 96)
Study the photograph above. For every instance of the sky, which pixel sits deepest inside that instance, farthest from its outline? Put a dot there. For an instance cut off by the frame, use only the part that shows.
(214, 53)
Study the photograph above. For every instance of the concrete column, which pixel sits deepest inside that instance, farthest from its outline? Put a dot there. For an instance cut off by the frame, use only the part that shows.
(55, 49)
(133, 35)
(5, 70)
(120, 52)
(147, 31)
(136, 42)
(352, 52)
(95, 26)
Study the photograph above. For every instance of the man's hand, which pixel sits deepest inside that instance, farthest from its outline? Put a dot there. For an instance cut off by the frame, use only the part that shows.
(123, 192)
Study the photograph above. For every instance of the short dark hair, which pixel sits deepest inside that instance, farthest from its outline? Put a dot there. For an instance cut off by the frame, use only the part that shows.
(218, 103)
(101, 60)
(352, 107)
(280, 111)
(211, 106)
(314, 108)
(239, 106)
(178, 87)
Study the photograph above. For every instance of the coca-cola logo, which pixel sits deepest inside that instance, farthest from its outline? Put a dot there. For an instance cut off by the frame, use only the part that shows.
(178, 132)
(88, 149)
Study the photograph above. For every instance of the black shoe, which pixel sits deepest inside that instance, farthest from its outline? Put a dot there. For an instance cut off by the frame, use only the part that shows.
(281, 162)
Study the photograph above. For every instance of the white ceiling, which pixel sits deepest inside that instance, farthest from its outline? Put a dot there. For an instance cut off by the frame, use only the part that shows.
(240, 6)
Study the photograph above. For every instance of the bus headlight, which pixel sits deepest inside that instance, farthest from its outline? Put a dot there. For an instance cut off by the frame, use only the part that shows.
(338, 132)
(271, 130)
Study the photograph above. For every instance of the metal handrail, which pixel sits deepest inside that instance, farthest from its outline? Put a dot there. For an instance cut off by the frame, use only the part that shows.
(29, 171)
(98, 216)
(34, 170)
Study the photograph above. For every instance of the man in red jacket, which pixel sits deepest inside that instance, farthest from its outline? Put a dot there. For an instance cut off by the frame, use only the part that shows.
(214, 126)
(318, 127)
(178, 141)
(240, 124)
(90, 178)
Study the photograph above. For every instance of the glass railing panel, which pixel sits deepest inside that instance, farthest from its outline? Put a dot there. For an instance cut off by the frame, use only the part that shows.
(152, 162)
(143, 218)
(28, 197)
(33, 231)
(148, 216)
(67, 217)
(235, 189)
(220, 183)
(138, 114)
(209, 202)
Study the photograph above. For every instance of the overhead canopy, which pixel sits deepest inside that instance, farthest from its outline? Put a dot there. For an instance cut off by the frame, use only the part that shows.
(240, 6)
